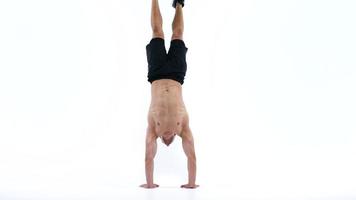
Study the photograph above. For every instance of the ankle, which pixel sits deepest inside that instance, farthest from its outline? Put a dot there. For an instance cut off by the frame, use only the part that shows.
(178, 5)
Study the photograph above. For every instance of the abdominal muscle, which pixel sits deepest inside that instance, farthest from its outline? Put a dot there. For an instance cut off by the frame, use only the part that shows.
(167, 106)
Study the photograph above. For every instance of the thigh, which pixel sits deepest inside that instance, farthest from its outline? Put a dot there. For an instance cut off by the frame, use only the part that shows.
(177, 51)
(156, 53)
(177, 55)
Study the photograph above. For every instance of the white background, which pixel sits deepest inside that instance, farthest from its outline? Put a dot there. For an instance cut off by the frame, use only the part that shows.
(270, 89)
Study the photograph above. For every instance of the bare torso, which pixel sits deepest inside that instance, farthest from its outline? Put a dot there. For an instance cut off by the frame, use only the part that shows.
(167, 111)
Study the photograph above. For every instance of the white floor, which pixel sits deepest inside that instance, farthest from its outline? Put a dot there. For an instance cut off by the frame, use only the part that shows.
(112, 192)
(163, 193)
(95, 184)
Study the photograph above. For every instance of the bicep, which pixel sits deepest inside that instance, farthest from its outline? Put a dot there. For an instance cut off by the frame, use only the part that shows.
(188, 144)
(151, 145)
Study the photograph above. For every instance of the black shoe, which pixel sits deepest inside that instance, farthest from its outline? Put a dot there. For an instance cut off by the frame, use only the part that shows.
(181, 2)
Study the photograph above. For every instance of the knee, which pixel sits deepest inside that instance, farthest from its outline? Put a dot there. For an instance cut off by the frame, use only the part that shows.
(177, 33)
(157, 32)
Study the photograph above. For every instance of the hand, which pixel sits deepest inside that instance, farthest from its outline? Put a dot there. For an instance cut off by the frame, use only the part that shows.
(189, 186)
(149, 186)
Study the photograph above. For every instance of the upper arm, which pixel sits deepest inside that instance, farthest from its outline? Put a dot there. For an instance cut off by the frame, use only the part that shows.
(151, 143)
(188, 142)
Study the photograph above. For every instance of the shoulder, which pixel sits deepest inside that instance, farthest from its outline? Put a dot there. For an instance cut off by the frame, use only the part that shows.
(185, 121)
(186, 132)
(151, 120)
(151, 137)
(150, 130)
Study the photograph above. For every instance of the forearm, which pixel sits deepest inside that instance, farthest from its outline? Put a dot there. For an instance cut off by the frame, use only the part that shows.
(149, 165)
(192, 170)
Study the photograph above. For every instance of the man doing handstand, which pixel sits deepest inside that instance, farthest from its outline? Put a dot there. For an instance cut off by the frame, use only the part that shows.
(167, 116)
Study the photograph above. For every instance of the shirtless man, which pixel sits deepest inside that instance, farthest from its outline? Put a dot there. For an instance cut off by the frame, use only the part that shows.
(167, 114)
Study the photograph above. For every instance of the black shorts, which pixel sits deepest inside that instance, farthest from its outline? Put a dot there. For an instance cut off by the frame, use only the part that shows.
(166, 66)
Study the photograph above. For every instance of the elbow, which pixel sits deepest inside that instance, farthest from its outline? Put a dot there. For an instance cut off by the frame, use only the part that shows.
(149, 158)
(148, 162)
(192, 157)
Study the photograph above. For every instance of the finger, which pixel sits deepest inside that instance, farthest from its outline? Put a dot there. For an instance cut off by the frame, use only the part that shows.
(190, 186)
(153, 186)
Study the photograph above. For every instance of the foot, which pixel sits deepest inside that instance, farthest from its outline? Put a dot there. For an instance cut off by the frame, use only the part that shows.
(181, 2)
